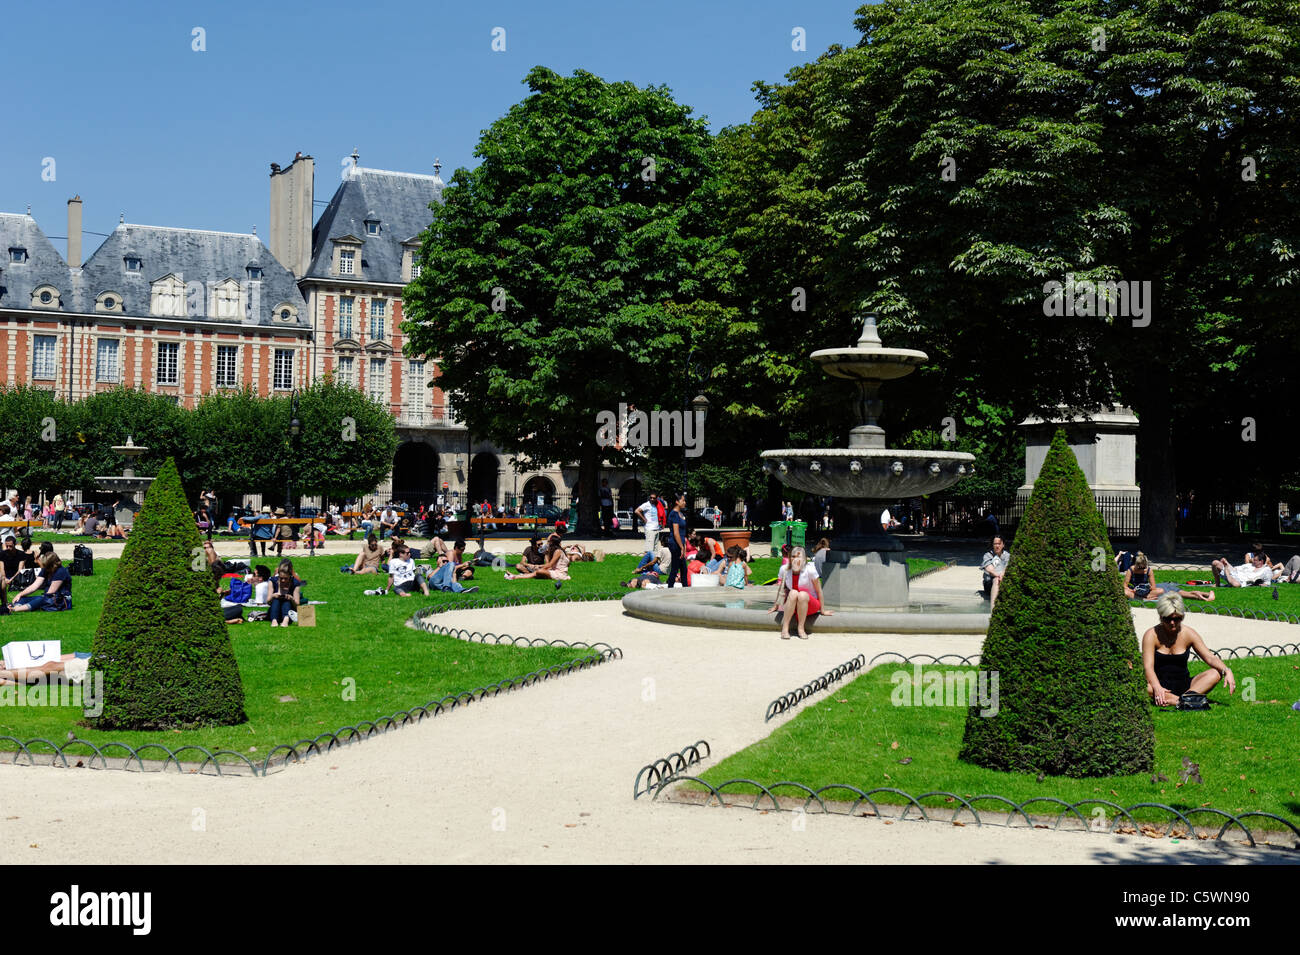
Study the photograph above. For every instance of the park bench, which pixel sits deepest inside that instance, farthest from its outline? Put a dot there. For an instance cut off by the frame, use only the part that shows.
(290, 521)
(482, 522)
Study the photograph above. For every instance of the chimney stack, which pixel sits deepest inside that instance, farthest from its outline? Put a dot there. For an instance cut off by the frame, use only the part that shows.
(74, 232)
(292, 213)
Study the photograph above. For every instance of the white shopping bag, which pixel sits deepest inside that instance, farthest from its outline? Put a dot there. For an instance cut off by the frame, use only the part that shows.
(31, 653)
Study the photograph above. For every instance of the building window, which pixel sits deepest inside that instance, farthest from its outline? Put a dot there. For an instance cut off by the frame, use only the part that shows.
(418, 396)
(43, 363)
(254, 272)
(228, 300)
(372, 227)
(345, 316)
(17, 255)
(106, 350)
(226, 359)
(132, 264)
(168, 297)
(415, 270)
(347, 373)
(346, 259)
(375, 383)
(283, 379)
(378, 312)
(285, 315)
(46, 298)
(110, 303)
(167, 362)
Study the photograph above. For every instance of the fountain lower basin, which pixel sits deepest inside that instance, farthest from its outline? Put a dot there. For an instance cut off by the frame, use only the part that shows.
(927, 611)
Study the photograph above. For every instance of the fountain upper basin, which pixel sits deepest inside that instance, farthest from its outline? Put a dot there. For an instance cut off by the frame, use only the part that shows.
(832, 471)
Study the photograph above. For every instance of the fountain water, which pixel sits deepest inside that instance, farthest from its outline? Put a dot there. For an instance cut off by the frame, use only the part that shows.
(865, 574)
(127, 484)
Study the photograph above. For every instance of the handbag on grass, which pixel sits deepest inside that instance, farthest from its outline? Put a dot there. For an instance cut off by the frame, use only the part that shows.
(1193, 701)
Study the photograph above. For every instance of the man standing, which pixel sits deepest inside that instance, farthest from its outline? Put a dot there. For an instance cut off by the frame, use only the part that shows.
(654, 515)
(606, 508)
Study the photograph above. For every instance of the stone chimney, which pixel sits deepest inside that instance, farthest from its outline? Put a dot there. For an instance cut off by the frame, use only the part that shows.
(292, 192)
(74, 232)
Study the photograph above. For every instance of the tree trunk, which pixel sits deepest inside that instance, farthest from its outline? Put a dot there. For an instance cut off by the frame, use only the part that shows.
(1155, 468)
(588, 481)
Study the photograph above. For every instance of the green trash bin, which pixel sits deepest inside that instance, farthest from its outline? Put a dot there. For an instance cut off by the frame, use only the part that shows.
(798, 531)
(778, 537)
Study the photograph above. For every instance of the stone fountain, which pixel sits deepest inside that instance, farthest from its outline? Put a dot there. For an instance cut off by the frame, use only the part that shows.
(127, 484)
(865, 574)
(866, 567)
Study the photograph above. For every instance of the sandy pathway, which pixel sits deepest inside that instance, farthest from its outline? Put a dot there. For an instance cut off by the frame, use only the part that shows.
(545, 774)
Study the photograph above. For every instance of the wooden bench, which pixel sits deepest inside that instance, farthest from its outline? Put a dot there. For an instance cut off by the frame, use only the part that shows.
(482, 522)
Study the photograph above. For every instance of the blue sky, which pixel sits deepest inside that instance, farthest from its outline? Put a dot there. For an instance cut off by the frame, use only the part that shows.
(137, 122)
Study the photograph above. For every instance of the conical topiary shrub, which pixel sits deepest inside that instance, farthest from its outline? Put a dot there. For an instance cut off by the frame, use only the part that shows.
(162, 643)
(1071, 693)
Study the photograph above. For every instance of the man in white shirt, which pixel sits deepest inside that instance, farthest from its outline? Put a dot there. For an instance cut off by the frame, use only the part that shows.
(1255, 570)
(652, 513)
(388, 522)
(402, 578)
(886, 520)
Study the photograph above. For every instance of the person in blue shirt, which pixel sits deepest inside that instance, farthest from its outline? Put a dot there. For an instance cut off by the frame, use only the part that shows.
(677, 542)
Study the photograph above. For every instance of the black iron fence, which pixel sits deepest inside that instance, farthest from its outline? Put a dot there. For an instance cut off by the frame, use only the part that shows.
(970, 516)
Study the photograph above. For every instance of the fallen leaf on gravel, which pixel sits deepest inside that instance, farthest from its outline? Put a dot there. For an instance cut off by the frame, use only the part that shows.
(33, 846)
(584, 814)
(1125, 830)
(1152, 831)
(15, 817)
(889, 822)
(570, 825)
(333, 767)
(956, 823)
(894, 745)
(1037, 826)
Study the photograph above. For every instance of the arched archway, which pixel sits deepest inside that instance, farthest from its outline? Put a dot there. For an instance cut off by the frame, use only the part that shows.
(483, 479)
(538, 492)
(415, 473)
(629, 495)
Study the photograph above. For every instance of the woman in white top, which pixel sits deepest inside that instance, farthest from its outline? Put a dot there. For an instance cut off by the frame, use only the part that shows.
(799, 587)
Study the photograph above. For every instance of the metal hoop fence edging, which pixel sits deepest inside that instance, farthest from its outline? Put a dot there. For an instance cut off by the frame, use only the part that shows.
(967, 804)
(421, 621)
(325, 742)
(662, 770)
(795, 697)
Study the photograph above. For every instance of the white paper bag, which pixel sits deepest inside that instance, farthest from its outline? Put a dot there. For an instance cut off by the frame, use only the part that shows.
(31, 653)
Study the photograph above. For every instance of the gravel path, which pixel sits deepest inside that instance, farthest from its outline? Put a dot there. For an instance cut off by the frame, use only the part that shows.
(545, 774)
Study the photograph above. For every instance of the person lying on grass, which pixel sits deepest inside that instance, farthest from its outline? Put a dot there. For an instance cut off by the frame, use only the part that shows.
(1256, 570)
(1166, 648)
(444, 578)
(403, 579)
(802, 589)
(647, 572)
(72, 665)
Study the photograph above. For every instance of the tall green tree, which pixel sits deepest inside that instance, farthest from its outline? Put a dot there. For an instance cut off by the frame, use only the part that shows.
(550, 272)
(347, 441)
(238, 442)
(39, 448)
(967, 153)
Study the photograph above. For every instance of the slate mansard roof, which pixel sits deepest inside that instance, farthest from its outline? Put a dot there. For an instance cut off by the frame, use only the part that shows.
(398, 200)
(191, 255)
(44, 265)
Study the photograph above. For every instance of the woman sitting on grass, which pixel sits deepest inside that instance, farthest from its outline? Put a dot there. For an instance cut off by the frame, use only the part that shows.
(51, 590)
(1166, 648)
(556, 567)
(371, 556)
(1140, 584)
(286, 594)
(802, 587)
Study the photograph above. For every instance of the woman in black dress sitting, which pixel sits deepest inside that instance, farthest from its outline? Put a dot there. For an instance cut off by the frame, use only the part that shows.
(1166, 648)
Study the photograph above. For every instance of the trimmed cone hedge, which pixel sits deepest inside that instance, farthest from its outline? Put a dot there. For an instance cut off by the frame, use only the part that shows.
(162, 643)
(1072, 696)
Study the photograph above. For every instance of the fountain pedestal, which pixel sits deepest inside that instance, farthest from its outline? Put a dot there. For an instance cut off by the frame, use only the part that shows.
(125, 486)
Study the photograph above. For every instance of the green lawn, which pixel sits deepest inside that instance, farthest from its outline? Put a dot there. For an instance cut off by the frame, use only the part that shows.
(854, 734)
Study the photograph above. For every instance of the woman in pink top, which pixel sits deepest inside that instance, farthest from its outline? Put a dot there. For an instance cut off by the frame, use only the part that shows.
(556, 567)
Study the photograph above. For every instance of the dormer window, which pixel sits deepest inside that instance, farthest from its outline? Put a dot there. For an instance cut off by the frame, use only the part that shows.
(372, 227)
(45, 296)
(284, 312)
(133, 263)
(17, 254)
(226, 303)
(254, 271)
(347, 262)
(108, 302)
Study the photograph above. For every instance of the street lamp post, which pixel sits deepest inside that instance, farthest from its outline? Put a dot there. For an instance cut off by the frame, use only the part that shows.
(699, 410)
